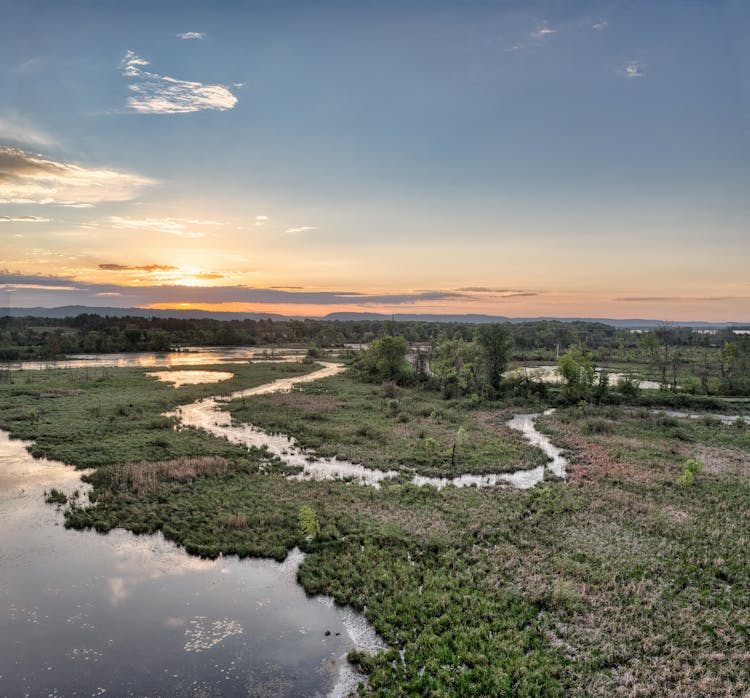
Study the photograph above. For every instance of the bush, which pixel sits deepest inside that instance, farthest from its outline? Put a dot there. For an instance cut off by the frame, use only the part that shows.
(597, 425)
(629, 386)
(55, 496)
(690, 472)
(308, 523)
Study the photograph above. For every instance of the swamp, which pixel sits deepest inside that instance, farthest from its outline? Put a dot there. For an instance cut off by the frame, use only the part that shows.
(622, 572)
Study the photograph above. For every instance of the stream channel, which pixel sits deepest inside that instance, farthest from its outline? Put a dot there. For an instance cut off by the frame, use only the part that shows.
(86, 614)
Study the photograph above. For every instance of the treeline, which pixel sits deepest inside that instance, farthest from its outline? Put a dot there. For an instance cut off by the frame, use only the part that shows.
(29, 337)
(32, 337)
(694, 360)
(477, 368)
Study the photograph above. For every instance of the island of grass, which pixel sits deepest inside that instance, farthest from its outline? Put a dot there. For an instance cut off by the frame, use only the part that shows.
(623, 580)
(389, 428)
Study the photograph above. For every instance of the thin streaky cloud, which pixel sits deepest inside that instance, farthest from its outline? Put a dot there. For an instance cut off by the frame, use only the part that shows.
(171, 226)
(544, 31)
(301, 229)
(191, 35)
(634, 70)
(600, 26)
(143, 267)
(27, 178)
(131, 65)
(24, 219)
(178, 293)
(161, 94)
(17, 130)
(487, 289)
(679, 299)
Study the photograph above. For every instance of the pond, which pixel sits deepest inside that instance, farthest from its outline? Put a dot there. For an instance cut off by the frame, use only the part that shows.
(189, 356)
(118, 614)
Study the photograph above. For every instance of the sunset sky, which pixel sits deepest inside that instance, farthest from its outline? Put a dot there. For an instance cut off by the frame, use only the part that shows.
(512, 158)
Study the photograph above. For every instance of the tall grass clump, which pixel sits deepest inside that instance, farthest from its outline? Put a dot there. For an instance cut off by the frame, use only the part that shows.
(690, 472)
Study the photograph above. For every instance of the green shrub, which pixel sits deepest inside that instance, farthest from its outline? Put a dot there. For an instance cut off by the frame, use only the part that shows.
(690, 472)
(308, 523)
(55, 496)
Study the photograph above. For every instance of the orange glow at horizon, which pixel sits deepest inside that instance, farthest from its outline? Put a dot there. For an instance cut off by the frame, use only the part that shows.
(572, 306)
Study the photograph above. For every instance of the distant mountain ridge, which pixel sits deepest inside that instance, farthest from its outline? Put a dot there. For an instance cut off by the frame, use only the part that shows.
(73, 310)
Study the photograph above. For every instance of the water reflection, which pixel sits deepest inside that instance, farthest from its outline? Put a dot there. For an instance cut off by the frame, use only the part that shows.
(207, 414)
(189, 356)
(86, 614)
(551, 374)
(180, 378)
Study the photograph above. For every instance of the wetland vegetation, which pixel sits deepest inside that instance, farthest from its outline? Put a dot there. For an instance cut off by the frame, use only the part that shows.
(628, 578)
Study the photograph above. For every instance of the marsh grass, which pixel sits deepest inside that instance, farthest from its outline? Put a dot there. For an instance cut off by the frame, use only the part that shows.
(145, 477)
(389, 427)
(617, 582)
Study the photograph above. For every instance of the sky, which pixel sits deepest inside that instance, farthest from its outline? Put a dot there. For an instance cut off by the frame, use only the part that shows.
(568, 159)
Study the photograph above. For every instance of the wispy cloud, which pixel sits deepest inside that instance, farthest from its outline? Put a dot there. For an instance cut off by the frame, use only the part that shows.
(679, 299)
(600, 26)
(160, 94)
(260, 221)
(170, 226)
(26, 178)
(497, 292)
(191, 35)
(543, 32)
(17, 130)
(301, 229)
(176, 293)
(144, 267)
(24, 219)
(634, 70)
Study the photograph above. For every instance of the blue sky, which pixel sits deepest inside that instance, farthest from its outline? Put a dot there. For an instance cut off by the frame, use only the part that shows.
(569, 158)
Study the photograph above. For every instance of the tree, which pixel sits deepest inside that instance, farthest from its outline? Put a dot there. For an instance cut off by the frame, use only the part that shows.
(728, 359)
(386, 358)
(578, 372)
(457, 365)
(664, 333)
(495, 342)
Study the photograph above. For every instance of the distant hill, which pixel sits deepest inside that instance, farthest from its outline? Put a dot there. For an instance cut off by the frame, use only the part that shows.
(73, 310)
(480, 319)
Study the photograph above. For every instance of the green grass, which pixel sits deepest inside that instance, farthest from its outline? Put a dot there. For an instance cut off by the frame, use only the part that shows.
(390, 428)
(619, 582)
(92, 418)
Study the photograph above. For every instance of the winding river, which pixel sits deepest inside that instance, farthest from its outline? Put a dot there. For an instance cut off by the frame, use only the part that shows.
(119, 614)
(207, 414)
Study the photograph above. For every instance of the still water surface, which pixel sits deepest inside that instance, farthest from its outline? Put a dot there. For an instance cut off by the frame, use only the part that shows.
(190, 356)
(86, 614)
(122, 615)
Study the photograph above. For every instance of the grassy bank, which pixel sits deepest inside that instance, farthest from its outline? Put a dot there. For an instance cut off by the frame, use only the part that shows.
(100, 417)
(391, 428)
(618, 582)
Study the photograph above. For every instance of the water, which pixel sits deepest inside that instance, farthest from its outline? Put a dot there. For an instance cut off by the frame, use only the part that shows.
(723, 418)
(125, 615)
(190, 356)
(117, 614)
(180, 378)
(551, 374)
(207, 414)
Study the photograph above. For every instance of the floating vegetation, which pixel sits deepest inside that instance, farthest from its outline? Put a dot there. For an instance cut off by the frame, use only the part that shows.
(202, 634)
